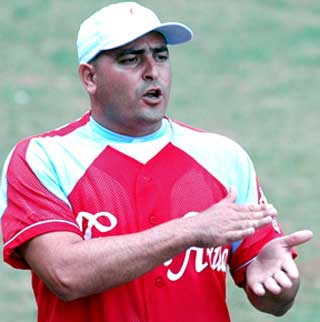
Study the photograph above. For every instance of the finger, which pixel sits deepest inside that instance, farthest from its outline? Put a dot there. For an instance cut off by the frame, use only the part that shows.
(243, 225)
(282, 279)
(240, 234)
(271, 211)
(259, 215)
(291, 268)
(232, 195)
(261, 222)
(297, 238)
(258, 289)
(256, 210)
(246, 228)
(272, 286)
(260, 207)
(249, 208)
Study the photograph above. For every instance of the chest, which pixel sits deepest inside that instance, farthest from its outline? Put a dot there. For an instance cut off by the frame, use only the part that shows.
(121, 195)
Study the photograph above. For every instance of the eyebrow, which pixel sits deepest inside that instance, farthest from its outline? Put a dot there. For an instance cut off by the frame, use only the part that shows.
(137, 51)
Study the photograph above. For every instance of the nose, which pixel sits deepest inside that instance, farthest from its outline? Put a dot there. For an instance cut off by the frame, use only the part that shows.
(151, 71)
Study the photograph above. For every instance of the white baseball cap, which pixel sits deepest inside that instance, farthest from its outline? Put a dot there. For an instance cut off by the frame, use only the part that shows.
(121, 23)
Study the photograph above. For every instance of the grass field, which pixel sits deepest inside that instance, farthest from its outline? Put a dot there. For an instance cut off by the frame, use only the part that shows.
(252, 72)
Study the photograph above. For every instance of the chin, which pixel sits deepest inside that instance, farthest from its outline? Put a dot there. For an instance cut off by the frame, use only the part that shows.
(152, 115)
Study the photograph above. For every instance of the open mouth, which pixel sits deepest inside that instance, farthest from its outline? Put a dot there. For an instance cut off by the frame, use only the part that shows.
(153, 93)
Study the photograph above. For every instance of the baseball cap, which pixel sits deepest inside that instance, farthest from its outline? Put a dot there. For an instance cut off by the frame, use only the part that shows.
(121, 23)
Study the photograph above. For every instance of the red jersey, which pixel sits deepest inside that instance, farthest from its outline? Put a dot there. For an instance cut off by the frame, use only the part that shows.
(85, 179)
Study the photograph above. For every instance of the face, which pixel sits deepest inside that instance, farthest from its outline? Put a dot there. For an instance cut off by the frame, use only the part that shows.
(132, 86)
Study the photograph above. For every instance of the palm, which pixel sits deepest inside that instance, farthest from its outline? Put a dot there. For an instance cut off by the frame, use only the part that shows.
(274, 269)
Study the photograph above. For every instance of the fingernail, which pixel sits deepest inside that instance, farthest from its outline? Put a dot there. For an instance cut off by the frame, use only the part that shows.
(269, 206)
(272, 211)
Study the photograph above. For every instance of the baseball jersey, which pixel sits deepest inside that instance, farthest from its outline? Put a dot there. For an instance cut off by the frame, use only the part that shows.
(85, 179)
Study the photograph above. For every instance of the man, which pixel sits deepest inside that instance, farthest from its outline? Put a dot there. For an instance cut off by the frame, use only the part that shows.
(126, 215)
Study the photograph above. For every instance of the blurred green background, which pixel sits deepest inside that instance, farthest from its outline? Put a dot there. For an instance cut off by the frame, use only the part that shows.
(252, 72)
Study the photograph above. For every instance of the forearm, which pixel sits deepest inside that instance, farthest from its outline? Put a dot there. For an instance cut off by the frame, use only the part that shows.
(275, 304)
(72, 267)
(87, 267)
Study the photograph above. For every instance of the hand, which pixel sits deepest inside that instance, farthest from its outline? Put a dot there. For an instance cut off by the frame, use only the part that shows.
(226, 221)
(274, 270)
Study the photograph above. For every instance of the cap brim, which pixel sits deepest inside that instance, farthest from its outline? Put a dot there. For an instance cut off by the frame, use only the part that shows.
(175, 32)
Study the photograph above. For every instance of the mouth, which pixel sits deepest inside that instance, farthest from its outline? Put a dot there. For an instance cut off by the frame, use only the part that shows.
(153, 95)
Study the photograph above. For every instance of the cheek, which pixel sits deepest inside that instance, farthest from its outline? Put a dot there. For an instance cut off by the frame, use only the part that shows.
(167, 80)
(116, 88)
(168, 75)
(122, 84)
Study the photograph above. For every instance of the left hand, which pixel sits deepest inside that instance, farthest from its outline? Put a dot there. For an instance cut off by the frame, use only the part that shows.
(274, 269)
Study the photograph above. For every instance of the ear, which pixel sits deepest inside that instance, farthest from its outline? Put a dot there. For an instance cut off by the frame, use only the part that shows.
(87, 73)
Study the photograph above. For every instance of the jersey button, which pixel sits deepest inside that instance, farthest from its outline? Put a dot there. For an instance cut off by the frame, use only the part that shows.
(159, 282)
(146, 178)
(153, 220)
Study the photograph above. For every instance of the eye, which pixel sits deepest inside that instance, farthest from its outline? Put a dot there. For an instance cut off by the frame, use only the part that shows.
(162, 56)
(128, 60)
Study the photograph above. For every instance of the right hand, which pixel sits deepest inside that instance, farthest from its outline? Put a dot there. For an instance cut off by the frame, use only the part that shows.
(226, 221)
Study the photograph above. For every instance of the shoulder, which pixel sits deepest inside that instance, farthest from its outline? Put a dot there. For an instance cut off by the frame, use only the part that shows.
(42, 148)
(217, 153)
(195, 138)
(221, 156)
(51, 135)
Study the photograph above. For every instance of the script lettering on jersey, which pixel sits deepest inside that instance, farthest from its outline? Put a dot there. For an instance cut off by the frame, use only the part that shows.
(216, 259)
(93, 222)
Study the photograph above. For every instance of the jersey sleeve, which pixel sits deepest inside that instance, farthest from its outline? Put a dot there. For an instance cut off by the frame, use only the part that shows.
(249, 192)
(28, 209)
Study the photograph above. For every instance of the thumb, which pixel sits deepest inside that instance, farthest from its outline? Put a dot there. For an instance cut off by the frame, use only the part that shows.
(297, 238)
(232, 195)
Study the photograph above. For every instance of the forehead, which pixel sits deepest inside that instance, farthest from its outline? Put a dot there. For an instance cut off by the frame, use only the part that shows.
(150, 40)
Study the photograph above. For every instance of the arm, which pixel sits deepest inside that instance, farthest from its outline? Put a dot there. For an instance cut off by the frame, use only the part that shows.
(106, 262)
(273, 277)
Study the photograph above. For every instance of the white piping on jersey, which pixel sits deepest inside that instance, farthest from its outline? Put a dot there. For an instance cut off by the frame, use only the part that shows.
(4, 186)
(245, 264)
(37, 224)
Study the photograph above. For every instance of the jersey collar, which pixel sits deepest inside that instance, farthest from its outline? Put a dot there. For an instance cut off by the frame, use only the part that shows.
(120, 138)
